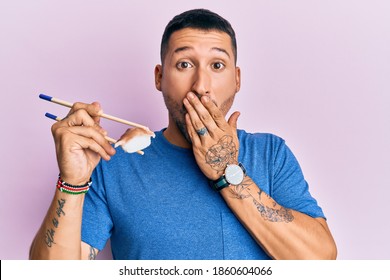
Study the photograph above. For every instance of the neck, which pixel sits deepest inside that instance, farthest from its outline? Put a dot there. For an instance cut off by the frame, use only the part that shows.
(174, 135)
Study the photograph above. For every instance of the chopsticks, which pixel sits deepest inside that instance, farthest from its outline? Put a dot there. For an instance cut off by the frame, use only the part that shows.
(106, 116)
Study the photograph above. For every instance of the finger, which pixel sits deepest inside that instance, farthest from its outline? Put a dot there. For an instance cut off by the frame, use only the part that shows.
(193, 115)
(76, 142)
(99, 129)
(195, 138)
(94, 109)
(202, 112)
(214, 111)
(93, 134)
(80, 117)
(207, 124)
(233, 119)
(90, 144)
(99, 111)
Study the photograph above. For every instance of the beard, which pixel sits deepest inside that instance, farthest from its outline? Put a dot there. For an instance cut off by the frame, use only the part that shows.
(177, 112)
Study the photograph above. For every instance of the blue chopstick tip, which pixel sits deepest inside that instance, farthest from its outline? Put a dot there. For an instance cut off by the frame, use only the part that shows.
(45, 97)
(51, 116)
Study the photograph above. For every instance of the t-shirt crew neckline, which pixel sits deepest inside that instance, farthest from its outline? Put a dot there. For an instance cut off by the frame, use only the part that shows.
(166, 145)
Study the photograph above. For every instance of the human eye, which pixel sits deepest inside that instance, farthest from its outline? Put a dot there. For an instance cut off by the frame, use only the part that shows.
(184, 65)
(218, 65)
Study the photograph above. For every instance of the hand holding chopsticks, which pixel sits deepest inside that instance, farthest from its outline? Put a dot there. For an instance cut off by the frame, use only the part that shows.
(109, 139)
(68, 104)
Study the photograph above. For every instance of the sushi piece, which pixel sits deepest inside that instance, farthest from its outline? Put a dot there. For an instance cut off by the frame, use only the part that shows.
(135, 139)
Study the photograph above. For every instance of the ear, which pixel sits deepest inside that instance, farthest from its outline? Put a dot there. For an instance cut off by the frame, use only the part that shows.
(158, 76)
(238, 79)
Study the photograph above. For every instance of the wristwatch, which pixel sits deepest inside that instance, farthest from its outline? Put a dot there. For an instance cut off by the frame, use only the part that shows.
(234, 175)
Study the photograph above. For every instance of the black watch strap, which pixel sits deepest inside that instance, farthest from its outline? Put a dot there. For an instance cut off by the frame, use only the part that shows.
(219, 184)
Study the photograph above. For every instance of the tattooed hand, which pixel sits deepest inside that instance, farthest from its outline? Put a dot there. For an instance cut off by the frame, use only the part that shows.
(214, 140)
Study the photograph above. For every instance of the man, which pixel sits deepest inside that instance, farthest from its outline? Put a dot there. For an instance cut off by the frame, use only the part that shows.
(203, 189)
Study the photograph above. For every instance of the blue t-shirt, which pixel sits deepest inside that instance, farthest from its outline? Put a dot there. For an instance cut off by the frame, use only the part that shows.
(160, 205)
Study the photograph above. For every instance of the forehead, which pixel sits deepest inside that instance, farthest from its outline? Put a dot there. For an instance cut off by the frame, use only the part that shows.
(199, 39)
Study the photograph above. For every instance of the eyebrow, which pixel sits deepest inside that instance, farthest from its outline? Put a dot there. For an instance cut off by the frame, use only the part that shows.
(221, 50)
(181, 49)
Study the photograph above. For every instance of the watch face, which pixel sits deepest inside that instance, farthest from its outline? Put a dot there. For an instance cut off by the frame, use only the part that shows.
(234, 174)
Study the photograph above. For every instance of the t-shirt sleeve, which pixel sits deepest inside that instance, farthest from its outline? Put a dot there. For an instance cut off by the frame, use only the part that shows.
(290, 188)
(97, 222)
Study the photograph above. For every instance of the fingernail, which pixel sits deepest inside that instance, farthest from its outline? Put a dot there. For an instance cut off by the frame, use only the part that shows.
(191, 95)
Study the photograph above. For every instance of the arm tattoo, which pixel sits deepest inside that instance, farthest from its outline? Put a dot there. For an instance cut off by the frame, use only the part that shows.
(238, 190)
(50, 232)
(92, 253)
(222, 153)
(60, 207)
(49, 237)
(55, 222)
(273, 214)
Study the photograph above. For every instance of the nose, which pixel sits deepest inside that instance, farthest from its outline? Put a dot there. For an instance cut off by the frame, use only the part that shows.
(202, 83)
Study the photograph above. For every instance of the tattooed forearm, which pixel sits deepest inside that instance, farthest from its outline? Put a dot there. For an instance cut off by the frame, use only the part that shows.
(49, 237)
(55, 222)
(222, 153)
(92, 253)
(240, 191)
(59, 210)
(273, 214)
(50, 232)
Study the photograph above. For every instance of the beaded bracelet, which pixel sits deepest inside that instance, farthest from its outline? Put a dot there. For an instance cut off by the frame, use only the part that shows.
(72, 189)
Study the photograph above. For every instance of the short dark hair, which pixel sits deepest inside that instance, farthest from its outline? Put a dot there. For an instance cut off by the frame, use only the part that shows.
(199, 19)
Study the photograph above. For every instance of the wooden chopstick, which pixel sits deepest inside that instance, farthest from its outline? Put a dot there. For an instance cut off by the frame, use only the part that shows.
(106, 116)
(109, 139)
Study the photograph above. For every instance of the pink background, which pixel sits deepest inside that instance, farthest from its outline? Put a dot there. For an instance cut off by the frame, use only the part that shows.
(313, 72)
